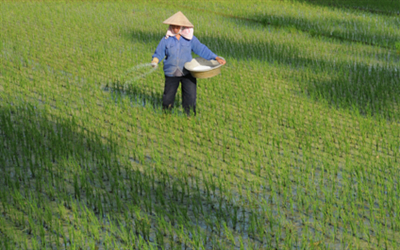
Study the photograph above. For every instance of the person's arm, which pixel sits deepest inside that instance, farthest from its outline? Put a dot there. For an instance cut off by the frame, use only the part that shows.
(220, 60)
(159, 53)
(203, 51)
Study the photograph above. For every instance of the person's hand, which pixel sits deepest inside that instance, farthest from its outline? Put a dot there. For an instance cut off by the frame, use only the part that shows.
(154, 63)
(220, 60)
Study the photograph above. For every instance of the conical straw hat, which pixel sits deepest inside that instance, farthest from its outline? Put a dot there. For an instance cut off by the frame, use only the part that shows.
(179, 19)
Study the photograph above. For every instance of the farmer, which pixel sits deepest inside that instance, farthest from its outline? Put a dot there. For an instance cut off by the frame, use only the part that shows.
(177, 47)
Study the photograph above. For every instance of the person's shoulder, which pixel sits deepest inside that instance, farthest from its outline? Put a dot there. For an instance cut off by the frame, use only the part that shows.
(165, 40)
(194, 39)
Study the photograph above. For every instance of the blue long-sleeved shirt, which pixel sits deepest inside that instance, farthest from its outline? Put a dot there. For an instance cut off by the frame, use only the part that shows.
(178, 52)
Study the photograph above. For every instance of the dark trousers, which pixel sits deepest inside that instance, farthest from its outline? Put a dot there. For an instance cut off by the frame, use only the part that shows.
(189, 92)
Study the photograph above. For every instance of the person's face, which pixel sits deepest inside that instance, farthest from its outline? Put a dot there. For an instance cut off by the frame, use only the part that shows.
(175, 29)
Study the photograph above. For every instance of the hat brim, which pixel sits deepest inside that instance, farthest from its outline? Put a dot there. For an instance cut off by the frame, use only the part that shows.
(180, 24)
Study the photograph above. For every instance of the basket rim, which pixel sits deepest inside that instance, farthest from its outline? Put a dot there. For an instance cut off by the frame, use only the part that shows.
(206, 74)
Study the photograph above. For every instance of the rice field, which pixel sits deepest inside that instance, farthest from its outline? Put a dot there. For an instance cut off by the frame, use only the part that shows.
(296, 144)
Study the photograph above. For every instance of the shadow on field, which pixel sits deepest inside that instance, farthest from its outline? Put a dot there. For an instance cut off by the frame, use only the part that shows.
(139, 96)
(373, 90)
(50, 161)
(335, 32)
(37, 144)
(42, 160)
(387, 7)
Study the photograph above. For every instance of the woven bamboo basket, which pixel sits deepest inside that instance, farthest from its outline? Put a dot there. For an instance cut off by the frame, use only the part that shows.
(202, 68)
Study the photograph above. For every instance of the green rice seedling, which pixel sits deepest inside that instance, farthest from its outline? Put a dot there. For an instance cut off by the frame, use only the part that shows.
(398, 47)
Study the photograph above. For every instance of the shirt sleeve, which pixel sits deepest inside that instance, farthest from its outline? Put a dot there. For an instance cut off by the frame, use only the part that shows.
(160, 50)
(202, 50)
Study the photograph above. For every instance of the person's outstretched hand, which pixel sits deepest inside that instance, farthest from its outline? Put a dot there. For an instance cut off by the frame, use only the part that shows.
(220, 60)
(154, 63)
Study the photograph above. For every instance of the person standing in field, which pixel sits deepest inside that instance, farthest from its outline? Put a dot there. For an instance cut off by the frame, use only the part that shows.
(176, 47)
